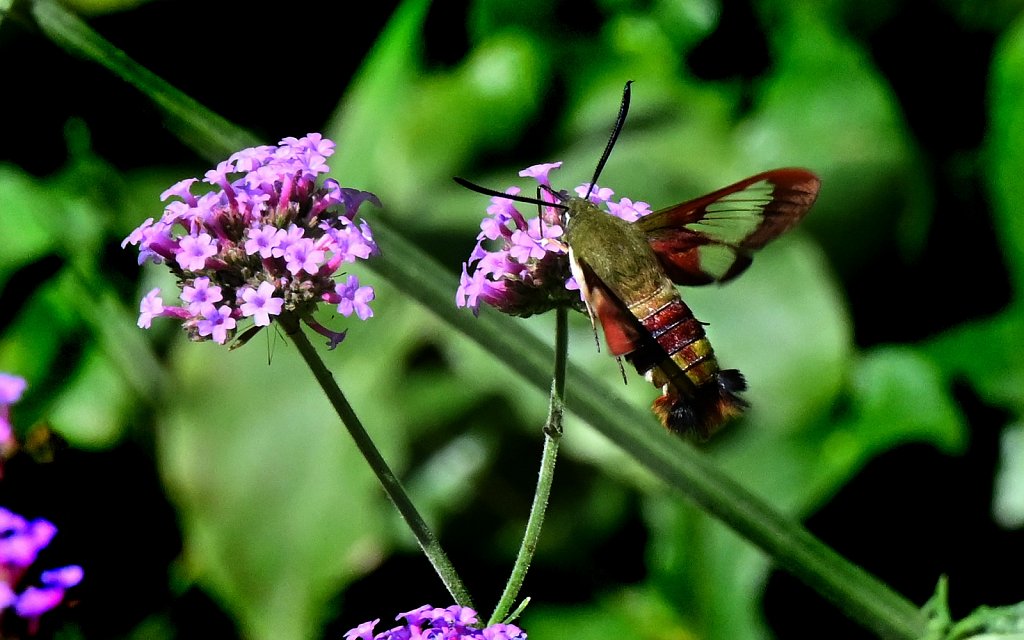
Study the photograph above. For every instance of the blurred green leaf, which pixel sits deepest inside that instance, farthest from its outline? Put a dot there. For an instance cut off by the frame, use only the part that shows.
(279, 510)
(827, 107)
(26, 206)
(899, 396)
(89, 411)
(637, 612)
(396, 115)
(711, 577)
(1008, 501)
(1005, 146)
(987, 352)
(101, 7)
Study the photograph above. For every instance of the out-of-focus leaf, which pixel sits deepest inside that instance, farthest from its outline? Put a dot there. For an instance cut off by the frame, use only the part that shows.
(827, 107)
(378, 96)
(687, 23)
(705, 570)
(74, 309)
(278, 508)
(102, 7)
(25, 207)
(990, 16)
(1005, 147)
(488, 375)
(479, 107)
(89, 412)
(639, 613)
(449, 476)
(36, 218)
(486, 17)
(987, 352)
(899, 396)
(396, 115)
(1008, 501)
(32, 339)
(894, 395)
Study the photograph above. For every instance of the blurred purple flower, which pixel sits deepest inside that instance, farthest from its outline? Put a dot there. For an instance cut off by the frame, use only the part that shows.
(21, 541)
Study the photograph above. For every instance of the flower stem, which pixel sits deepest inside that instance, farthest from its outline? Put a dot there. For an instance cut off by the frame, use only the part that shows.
(424, 536)
(552, 436)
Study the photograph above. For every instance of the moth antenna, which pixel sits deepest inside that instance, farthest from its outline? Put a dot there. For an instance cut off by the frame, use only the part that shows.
(619, 122)
(618, 360)
(501, 194)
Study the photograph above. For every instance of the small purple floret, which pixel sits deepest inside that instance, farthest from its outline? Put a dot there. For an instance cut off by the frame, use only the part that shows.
(260, 304)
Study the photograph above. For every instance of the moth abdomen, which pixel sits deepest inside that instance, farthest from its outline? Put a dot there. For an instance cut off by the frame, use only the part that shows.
(697, 396)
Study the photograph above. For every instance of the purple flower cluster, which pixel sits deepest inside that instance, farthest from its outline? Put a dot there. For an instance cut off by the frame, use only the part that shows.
(266, 239)
(528, 271)
(429, 623)
(20, 543)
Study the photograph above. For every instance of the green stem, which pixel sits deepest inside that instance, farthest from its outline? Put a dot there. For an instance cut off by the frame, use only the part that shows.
(552, 436)
(424, 536)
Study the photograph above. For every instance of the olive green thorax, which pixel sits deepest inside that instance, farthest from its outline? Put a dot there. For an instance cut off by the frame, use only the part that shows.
(615, 250)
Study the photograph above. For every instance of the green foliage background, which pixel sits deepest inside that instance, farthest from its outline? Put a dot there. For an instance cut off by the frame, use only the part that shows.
(891, 318)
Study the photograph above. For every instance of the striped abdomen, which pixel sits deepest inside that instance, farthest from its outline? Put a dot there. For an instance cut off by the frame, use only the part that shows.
(679, 359)
(672, 326)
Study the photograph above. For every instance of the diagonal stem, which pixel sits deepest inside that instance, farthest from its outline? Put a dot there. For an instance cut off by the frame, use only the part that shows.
(424, 536)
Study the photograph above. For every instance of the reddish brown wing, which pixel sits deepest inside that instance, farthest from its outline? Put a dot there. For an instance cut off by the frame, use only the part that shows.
(620, 327)
(711, 239)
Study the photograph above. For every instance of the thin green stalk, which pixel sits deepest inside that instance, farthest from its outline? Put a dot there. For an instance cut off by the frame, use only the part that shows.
(552, 436)
(424, 536)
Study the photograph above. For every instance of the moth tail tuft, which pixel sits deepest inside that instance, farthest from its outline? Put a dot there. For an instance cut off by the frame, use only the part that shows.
(707, 409)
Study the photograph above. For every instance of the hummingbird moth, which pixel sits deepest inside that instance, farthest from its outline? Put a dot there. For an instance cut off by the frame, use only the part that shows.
(627, 272)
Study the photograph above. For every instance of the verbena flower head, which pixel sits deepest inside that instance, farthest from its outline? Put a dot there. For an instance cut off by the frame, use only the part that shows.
(430, 623)
(519, 265)
(25, 593)
(267, 238)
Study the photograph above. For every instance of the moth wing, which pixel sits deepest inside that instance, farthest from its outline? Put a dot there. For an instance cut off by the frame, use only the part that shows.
(621, 330)
(712, 238)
